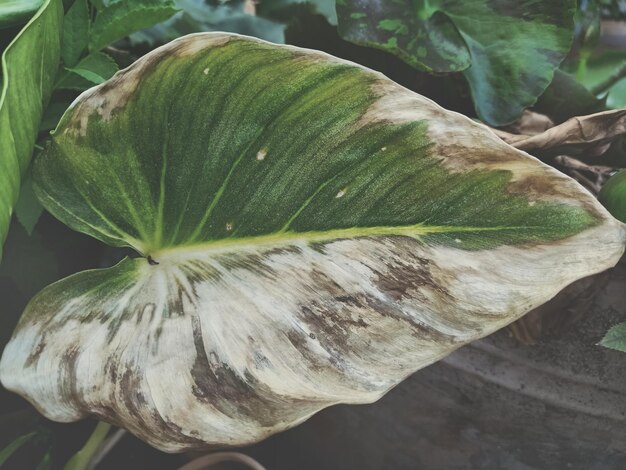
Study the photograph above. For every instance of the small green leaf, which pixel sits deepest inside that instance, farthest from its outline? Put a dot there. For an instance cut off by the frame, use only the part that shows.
(613, 195)
(75, 33)
(14, 446)
(120, 19)
(29, 65)
(93, 69)
(615, 338)
(28, 208)
(513, 46)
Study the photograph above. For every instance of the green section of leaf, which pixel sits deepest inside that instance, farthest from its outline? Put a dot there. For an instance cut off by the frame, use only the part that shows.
(613, 195)
(75, 33)
(28, 67)
(258, 149)
(615, 338)
(448, 36)
(17, 12)
(120, 19)
(53, 113)
(14, 446)
(28, 208)
(566, 98)
(197, 16)
(93, 69)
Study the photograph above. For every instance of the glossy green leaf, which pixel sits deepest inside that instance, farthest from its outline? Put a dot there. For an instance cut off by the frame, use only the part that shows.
(615, 338)
(513, 46)
(119, 19)
(17, 12)
(600, 68)
(28, 67)
(613, 195)
(312, 233)
(75, 33)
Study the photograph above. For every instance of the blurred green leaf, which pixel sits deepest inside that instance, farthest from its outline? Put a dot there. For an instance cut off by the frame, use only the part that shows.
(29, 65)
(197, 16)
(565, 98)
(600, 68)
(16, 12)
(53, 113)
(275, 8)
(613, 195)
(9, 450)
(75, 33)
(514, 45)
(615, 338)
(119, 19)
(28, 208)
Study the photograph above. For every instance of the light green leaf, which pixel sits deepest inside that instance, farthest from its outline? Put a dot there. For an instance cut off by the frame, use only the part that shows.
(615, 338)
(613, 195)
(120, 19)
(93, 69)
(28, 209)
(601, 68)
(75, 33)
(17, 12)
(312, 232)
(513, 46)
(14, 446)
(28, 67)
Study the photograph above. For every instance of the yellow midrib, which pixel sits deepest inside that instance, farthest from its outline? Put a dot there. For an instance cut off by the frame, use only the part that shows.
(282, 238)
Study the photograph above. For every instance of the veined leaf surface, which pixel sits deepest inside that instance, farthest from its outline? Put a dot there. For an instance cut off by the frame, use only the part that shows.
(312, 233)
(29, 65)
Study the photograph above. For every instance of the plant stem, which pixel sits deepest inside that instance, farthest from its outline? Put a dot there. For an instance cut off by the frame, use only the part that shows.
(82, 458)
(610, 81)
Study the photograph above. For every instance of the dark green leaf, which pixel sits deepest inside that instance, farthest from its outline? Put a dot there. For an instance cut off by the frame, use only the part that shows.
(9, 450)
(566, 98)
(513, 46)
(122, 18)
(615, 338)
(75, 33)
(613, 195)
(30, 63)
(28, 208)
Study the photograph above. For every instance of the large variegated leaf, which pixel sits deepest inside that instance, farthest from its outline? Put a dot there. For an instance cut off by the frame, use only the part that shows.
(312, 233)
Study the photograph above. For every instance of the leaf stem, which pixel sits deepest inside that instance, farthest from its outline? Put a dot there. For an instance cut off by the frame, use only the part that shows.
(610, 81)
(82, 459)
